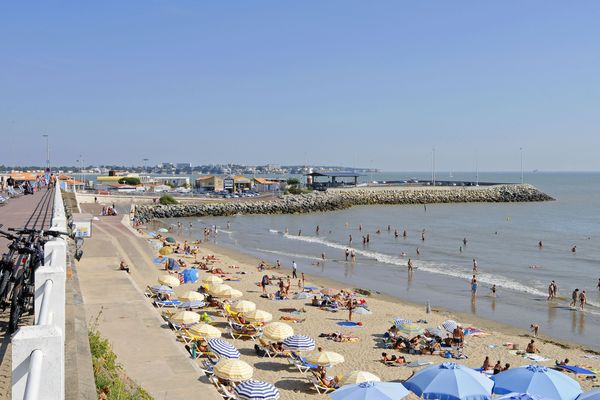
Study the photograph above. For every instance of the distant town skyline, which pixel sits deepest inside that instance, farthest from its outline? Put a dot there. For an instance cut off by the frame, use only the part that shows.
(372, 85)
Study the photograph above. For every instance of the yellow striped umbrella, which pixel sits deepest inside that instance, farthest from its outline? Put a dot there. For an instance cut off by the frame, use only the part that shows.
(226, 292)
(258, 316)
(216, 288)
(233, 369)
(168, 280)
(359, 377)
(191, 296)
(244, 306)
(277, 331)
(185, 318)
(204, 330)
(325, 358)
(164, 251)
(212, 280)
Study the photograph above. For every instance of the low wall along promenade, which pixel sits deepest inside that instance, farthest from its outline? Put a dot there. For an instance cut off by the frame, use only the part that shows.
(337, 199)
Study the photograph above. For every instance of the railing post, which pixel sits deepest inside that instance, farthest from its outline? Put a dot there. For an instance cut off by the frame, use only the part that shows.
(49, 340)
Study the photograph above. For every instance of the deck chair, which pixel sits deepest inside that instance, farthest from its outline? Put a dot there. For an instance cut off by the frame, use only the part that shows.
(318, 385)
(167, 303)
(236, 331)
(300, 362)
(227, 392)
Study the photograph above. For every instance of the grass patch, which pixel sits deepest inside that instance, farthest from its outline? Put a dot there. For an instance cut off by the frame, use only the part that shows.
(111, 381)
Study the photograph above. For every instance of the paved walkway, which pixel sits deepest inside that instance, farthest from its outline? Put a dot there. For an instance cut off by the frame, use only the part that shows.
(114, 301)
(14, 214)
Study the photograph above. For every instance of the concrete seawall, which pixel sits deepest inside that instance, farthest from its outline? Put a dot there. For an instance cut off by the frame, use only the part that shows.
(338, 199)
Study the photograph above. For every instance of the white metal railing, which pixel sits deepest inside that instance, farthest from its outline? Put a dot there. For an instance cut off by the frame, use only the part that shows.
(38, 351)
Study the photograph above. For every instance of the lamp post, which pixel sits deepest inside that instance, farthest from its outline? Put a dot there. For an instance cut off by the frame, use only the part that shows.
(433, 166)
(521, 150)
(47, 153)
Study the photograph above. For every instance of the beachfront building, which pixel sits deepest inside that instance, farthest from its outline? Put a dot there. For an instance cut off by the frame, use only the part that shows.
(334, 179)
(210, 183)
(173, 181)
(264, 185)
(241, 184)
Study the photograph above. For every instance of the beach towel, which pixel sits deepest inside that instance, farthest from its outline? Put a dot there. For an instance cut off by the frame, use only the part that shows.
(535, 357)
(576, 370)
(310, 288)
(418, 363)
(349, 324)
(591, 356)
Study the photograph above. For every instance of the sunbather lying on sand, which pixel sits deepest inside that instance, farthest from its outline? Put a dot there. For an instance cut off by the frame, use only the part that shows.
(340, 337)
(294, 319)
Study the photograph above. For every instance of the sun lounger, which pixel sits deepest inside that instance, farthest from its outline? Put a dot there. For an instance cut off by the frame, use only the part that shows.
(167, 303)
(226, 391)
(300, 362)
(237, 331)
(318, 385)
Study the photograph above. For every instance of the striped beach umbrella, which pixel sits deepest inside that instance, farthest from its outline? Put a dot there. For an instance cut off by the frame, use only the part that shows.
(449, 325)
(162, 289)
(277, 331)
(204, 330)
(410, 329)
(258, 316)
(192, 304)
(185, 318)
(355, 377)
(325, 358)
(299, 343)
(223, 349)
(256, 390)
(233, 369)
(244, 306)
(217, 287)
(168, 280)
(191, 295)
(227, 292)
(330, 292)
(212, 280)
(399, 321)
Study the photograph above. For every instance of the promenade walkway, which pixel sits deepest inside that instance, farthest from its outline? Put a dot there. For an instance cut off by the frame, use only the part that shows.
(14, 214)
(114, 300)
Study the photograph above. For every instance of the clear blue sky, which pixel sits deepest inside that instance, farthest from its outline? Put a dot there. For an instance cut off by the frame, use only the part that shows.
(322, 82)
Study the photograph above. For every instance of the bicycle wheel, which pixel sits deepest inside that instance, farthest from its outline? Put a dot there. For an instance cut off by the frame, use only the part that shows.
(16, 307)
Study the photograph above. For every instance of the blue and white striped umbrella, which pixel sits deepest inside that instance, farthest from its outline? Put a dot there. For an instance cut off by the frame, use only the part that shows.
(192, 304)
(299, 343)
(223, 349)
(162, 289)
(450, 325)
(256, 390)
(400, 321)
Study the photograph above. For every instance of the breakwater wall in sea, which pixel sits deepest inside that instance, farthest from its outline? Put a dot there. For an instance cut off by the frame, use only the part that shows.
(338, 199)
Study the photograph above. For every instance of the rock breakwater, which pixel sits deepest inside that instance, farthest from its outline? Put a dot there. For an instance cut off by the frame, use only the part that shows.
(337, 199)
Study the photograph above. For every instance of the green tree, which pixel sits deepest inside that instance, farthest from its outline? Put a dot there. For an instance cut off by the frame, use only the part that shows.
(167, 199)
(130, 180)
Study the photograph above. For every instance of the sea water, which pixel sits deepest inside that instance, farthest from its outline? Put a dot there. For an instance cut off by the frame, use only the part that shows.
(502, 237)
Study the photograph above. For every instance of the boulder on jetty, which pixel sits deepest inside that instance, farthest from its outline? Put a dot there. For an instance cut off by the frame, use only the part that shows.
(337, 199)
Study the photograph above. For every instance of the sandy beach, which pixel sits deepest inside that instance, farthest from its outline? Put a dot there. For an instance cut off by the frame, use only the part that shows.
(366, 352)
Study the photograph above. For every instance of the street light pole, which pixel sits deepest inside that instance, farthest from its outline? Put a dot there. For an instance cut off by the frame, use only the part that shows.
(476, 171)
(521, 149)
(47, 153)
(433, 166)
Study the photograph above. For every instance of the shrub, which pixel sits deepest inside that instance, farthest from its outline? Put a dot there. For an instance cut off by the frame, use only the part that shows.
(167, 199)
(293, 182)
(130, 180)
